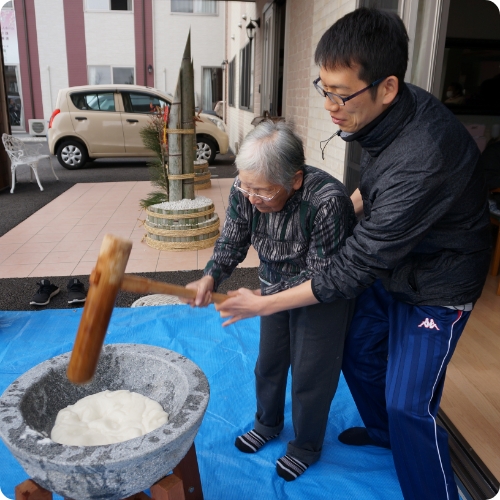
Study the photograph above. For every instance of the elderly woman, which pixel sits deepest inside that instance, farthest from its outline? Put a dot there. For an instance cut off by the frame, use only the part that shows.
(296, 217)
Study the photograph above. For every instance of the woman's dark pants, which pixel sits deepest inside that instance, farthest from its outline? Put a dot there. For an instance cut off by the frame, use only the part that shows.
(310, 340)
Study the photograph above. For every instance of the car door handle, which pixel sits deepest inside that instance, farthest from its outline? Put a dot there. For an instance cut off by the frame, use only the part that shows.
(132, 121)
(80, 118)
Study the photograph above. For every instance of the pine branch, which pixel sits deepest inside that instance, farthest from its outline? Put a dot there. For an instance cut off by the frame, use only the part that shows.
(153, 137)
(157, 174)
(154, 198)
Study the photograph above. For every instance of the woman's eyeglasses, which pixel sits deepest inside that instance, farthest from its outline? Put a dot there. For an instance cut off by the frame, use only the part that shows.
(248, 193)
(338, 99)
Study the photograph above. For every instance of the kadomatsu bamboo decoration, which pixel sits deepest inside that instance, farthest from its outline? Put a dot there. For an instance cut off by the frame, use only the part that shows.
(184, 222)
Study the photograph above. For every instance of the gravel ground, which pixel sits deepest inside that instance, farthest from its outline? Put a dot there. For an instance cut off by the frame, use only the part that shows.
(27, 199)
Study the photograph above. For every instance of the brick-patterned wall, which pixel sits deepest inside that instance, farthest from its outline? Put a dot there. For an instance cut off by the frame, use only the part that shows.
(298, 63)
(319, 124)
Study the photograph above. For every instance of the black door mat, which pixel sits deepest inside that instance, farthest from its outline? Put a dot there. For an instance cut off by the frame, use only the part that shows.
(17, 292)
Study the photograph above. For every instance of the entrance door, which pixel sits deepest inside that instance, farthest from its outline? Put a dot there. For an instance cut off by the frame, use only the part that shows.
(16, 115)
(268, 61)
(273, 59)
(8, 27)
(211, 92)
(426, 25)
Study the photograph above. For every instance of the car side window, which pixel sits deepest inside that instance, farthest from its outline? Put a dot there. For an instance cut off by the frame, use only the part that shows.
(102, 101)
(135, 102)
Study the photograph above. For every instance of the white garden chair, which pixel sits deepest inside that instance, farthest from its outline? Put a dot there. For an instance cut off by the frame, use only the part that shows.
(21, 153)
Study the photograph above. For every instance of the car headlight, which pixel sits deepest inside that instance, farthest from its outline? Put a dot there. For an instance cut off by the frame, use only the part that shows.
(218, 123)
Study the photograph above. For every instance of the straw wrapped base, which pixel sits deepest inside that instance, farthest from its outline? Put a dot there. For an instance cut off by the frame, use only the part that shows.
(202, 175)
(182, 225)
(178, 246)
(205, 185)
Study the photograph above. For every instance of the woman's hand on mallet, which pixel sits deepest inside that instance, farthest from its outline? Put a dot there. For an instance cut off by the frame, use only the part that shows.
(242, 304)
(204, 288)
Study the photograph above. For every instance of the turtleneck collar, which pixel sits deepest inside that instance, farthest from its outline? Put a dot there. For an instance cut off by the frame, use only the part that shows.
(381, 131)
(295, 199)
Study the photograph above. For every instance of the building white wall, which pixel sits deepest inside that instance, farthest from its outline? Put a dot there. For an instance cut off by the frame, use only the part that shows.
(170, 34)
(110, 39)
(51, 40)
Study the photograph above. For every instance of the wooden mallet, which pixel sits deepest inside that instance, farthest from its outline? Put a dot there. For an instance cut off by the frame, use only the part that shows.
(107, 278)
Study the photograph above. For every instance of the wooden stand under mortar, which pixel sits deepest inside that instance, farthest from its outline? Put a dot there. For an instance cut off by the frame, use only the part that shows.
(106, 280)
(183, 484)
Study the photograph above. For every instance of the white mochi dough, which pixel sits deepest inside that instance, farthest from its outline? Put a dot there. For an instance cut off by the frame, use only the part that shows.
(107, 417)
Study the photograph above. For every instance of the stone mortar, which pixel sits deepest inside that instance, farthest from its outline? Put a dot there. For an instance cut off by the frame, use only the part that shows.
(29, 406)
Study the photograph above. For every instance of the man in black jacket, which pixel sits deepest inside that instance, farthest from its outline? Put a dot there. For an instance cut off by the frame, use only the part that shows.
(418, 259)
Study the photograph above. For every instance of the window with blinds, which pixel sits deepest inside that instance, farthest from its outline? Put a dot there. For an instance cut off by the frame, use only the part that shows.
(246, 76)
(231, 83)
(207, 7)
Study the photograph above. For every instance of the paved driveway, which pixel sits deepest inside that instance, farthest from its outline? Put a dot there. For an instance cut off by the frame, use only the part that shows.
(28, 199)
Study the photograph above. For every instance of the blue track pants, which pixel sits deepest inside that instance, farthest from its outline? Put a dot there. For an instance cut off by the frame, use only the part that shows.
(395, 362)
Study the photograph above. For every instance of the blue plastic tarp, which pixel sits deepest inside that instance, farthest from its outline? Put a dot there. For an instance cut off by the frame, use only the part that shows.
(227, 357)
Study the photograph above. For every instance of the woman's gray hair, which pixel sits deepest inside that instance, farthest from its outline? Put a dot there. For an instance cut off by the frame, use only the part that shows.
(273, 150)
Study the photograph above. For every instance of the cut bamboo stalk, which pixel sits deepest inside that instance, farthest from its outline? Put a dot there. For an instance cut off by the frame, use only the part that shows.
(175, 145)
(187, 113)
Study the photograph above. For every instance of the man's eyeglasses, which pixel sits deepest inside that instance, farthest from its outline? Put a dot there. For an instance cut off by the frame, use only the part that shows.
(338, 99)
(248, 193)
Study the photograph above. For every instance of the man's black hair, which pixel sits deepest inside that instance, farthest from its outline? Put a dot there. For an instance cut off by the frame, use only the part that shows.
(375, 40)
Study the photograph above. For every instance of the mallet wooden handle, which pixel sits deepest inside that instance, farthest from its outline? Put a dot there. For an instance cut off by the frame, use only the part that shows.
(137, 284)
(108, 275)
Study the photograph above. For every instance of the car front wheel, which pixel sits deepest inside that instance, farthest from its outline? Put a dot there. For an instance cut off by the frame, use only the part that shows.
(72, 154)
(206, 149)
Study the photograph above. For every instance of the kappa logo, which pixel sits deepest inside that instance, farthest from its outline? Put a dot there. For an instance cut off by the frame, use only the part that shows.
(428, 323)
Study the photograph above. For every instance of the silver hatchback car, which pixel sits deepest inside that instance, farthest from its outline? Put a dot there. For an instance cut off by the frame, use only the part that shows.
(104, 121)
